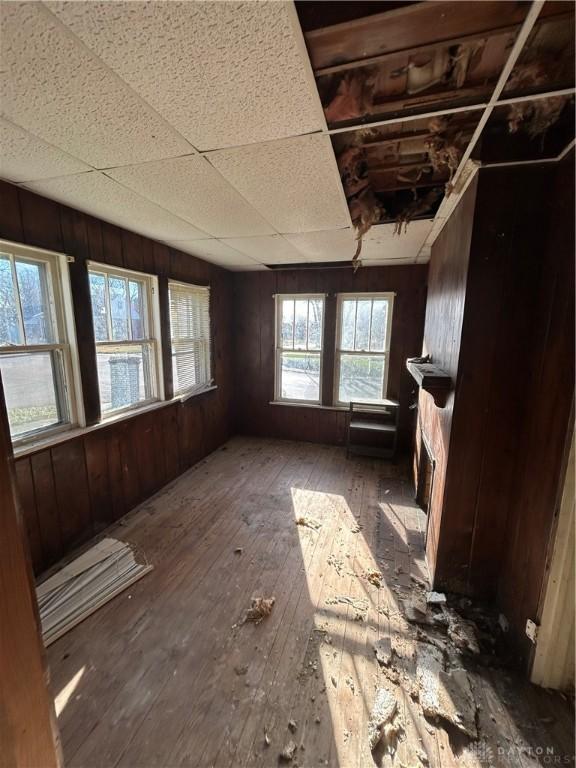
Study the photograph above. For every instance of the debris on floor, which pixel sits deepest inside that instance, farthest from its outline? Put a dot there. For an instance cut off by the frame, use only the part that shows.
(260, 608)
(85, 584)
(292, 726)
(383, 651)
(381, 726)
(445, 694)
(238, 550)
(308, 522)
(462, 633)
(436, 598)
(375, 578)
(288, 753)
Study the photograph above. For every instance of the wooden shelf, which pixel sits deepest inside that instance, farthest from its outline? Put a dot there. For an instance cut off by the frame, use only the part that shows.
(376, 426)
(431, 379)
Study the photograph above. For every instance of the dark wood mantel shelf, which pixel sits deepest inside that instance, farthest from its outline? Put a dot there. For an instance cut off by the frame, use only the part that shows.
(432, 379)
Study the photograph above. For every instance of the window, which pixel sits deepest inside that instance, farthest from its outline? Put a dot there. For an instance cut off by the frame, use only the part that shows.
(35, 333)
(299, 336)
(125, 318)
(362, 347)
(190, 335)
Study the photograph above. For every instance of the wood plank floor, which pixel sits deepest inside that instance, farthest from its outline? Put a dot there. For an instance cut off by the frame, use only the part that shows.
(165, 675)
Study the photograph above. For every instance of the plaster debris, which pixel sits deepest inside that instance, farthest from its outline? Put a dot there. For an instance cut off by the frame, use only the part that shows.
(462, 633)
(292, 725)
(287, 754)
(238, 550)
(375, 578)
(380, 724)
(383, 651)
(241, 670)
(436, 598)
(266, 739)
(350, 683)
(447, 695)
(359, 604)
(260, 608)
(308, 522)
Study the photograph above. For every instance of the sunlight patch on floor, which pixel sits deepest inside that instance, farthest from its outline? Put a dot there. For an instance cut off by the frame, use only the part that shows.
(64, 696)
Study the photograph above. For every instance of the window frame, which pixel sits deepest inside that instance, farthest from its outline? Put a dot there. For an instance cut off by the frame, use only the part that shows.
(278, 349)
(197, 389)
(66, 379)
(153, 336)
(341, 297)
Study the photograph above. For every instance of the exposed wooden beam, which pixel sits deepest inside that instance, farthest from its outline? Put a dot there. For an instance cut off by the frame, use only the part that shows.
(401, 187)
(451, 111)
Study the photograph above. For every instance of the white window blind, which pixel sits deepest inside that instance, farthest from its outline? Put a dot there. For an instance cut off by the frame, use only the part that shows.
(190, 336)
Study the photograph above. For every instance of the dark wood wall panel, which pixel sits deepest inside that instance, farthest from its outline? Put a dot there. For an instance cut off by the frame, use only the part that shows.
(254, 346)
(502, 457)
(79, 486)
(442, 334)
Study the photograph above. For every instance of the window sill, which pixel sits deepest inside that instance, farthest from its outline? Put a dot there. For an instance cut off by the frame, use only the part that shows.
(318, 406)
(75, 431)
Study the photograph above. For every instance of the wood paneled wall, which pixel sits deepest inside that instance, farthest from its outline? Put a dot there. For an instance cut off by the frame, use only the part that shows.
(514, 387)
(79, 486)
(447, 278)
(254, 347)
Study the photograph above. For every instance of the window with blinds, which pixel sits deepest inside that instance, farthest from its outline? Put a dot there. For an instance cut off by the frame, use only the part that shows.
(190, 336)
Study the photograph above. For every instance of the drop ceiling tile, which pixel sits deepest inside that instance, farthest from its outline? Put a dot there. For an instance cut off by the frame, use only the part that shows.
(216, 252)
(293, 183)
(95, 193)
(381, 243)
(270, 249)
(330, 245)
(222, 73)
(191, 188)
(52, 86)
(24, 157)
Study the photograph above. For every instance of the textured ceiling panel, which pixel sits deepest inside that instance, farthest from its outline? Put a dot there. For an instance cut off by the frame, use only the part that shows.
(95, 193)
(191, 188)
(331, 245)
(56, 89)
(216, 252)
(382, 244)
(24, 157)
(293, 183)
(271, 249)
(222, 73)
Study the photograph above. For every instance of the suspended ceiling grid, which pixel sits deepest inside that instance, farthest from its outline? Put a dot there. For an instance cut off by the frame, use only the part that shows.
(197, 124)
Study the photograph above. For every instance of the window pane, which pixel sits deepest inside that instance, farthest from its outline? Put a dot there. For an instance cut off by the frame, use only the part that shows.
(361, 378)
(348, 320)
(379, 322)
(9, 330)
(124, 376)
(98, 297)
(363, 325)
(119, 308)
(31, 390)
(137, 309)
(300, 323)
(287, 323)
(32, 286)
(316, 307)
(300, 376)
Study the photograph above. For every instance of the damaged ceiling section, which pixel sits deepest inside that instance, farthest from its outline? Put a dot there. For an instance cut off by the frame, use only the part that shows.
(412, 93)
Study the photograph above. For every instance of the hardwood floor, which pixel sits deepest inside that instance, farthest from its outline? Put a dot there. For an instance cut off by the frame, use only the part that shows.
(166, 675)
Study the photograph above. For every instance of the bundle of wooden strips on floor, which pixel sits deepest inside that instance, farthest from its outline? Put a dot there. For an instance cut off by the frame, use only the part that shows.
(86, 584)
